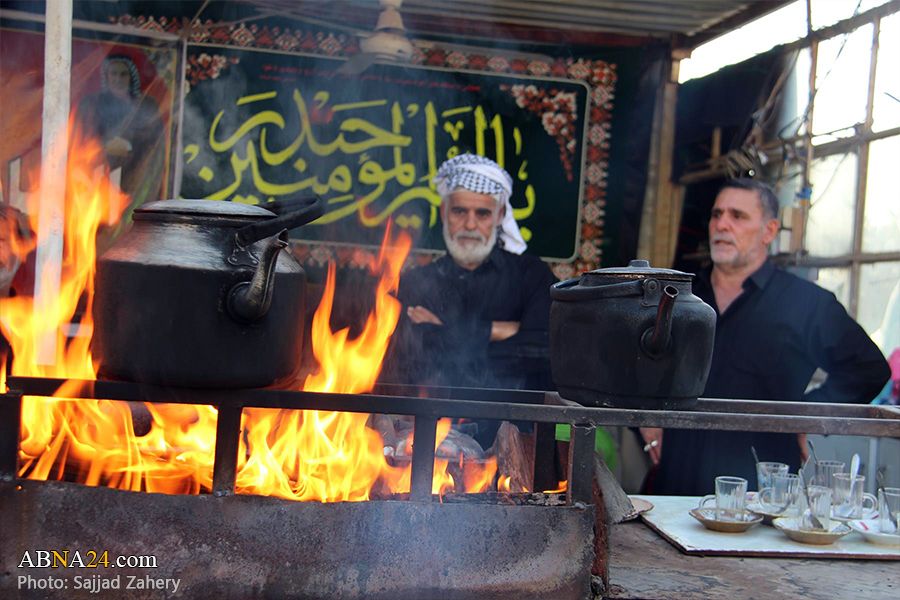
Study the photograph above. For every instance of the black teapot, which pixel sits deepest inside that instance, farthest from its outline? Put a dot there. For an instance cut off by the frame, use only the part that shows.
(630, 337)
(200, 293)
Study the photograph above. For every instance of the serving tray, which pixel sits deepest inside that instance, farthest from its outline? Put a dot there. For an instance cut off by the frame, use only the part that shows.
(670, 518)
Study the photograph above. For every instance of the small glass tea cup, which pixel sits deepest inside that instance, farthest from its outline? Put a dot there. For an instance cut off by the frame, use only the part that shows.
(730, 497)
(781, 498)
(825, 470)
(819, 507)
(889, 510)
(850, 500)
(765, 471)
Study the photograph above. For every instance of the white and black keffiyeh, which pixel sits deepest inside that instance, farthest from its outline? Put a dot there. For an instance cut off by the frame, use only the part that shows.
(482, 176)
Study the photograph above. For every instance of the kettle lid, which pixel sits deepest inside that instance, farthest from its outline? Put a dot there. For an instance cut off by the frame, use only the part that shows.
(636, 269)
(201, 210)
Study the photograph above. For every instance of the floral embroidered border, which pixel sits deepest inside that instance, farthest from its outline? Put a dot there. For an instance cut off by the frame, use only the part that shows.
(555, 113)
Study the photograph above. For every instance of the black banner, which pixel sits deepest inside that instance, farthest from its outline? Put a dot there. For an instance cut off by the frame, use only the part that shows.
(261, 126)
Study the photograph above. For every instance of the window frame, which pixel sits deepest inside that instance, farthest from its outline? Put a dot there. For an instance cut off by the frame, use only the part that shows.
(858, 143)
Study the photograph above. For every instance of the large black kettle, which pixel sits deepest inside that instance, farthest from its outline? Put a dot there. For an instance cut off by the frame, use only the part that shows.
(200, 293)
(630, 337)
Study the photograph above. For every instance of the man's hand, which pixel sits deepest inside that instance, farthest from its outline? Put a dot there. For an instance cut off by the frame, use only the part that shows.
(653, 438)
(804, 448)
(118, 147)
(420, 314)
(501, 330)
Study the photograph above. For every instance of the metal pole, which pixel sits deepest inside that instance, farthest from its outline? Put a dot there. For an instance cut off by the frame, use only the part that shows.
(228, 433)
(54, 153)
(10, 416)
(581, 465)
(424, 437)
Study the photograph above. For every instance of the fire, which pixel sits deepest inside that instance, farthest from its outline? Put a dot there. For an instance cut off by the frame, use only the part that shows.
(322, 455)
(299, 455)
(93, 441)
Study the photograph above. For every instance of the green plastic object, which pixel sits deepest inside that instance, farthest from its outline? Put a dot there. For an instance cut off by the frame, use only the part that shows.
(603, 443)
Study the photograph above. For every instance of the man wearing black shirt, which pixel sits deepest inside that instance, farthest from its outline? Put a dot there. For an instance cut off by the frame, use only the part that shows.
(773, 331)
(479, 316)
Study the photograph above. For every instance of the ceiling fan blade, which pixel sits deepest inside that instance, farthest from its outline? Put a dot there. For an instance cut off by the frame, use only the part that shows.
(357, 64)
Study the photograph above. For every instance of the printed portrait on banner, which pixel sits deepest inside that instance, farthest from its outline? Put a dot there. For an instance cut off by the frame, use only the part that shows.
(122, 95)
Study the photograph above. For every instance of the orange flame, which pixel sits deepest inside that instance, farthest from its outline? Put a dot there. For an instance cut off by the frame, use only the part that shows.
(300, 455)
(561, 486)
(323, 455)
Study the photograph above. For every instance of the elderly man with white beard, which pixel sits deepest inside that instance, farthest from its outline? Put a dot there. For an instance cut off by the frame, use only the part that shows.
(773, 331)
(477, 317)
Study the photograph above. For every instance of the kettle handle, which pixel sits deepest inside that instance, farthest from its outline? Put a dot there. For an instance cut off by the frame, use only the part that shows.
(566, 290)
(312, 209)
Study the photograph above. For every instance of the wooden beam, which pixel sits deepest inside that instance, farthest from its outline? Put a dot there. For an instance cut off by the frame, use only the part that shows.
(54, 154)
(661, 214)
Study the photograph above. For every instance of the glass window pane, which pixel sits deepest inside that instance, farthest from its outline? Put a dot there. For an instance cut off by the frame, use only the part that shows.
(829, 229)
(837, 281)
(795, 97)
(887, 76)
(829, 12)
(781, 26)
(881, 220)
(879, 303)
(842, 81)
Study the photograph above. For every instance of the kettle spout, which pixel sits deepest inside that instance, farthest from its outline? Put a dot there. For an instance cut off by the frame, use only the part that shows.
(250, 300)
(656, 339)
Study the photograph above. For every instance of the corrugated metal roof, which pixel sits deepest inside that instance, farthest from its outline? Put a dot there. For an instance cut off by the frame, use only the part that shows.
(692, 21)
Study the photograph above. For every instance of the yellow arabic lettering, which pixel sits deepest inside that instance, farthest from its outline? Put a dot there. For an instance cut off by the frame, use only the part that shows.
(355, 105)
(266, 117)
(358, 206)
(340, 179)
(530, 197)
(191, 151)
(320, 98)
(238, 165)
(378, 137)
(454, 129)
(408, 221)
(450, 112)
(431, 122)
(416, 193)
(526, 233)
(356, 136)
(497, 126)
(256, 98)
(480, 128)
(406, 172)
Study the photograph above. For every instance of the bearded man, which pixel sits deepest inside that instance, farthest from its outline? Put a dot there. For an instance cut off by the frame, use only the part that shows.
(477, 317)
(773, 330)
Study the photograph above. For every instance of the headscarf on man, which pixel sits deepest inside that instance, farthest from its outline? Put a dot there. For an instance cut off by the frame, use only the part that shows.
(482, 176)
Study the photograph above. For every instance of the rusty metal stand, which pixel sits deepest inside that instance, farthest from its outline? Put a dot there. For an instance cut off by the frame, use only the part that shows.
(427, 405)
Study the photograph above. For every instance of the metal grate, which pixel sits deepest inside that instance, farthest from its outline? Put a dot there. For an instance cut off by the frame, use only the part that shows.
(428, 404)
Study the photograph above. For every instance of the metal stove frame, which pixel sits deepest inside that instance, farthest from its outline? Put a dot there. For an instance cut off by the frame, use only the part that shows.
(428, 404)
(570, 528)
